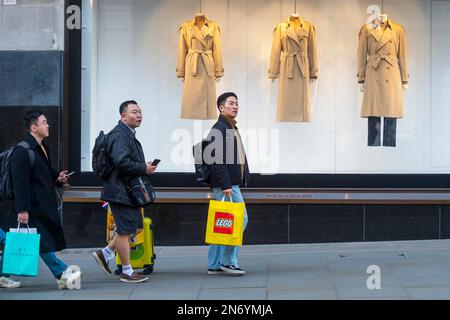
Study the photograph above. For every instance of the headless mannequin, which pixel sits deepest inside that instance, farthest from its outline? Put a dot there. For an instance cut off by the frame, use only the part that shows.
(294, 20)
(381, 22)
(200, 21)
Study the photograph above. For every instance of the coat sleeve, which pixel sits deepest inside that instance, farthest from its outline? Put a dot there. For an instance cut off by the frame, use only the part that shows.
(122, 160)
(217, 54)
(55, 176)
(182, 53)
(275, 56)
(362, 55)
(403, 56)
(219, 168)
(20, 171)
(312, 54)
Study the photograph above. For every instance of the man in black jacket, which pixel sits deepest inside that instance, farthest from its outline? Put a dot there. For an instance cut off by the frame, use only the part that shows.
(35, 200)
(129, 162)
(229, 172)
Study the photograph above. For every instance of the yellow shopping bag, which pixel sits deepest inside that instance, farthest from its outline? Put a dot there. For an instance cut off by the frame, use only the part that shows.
(225, 223)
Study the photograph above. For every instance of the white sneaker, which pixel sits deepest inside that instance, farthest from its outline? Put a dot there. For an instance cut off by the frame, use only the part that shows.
(9, 283)
(68, 278)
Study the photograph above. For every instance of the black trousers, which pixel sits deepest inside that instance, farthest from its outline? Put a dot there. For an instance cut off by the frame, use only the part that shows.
(389, 132)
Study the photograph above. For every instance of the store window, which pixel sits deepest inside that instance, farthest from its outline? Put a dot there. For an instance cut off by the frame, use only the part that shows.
(130, 51)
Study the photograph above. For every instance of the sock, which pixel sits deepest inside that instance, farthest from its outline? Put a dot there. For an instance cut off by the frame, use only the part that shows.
(108, 253)
(127, 269)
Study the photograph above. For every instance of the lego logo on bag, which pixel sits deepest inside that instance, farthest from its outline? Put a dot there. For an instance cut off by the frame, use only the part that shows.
(224, 223)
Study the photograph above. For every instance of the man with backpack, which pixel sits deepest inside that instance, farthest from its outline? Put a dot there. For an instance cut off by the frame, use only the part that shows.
(34, 202)
(126, 162)
(228, 172)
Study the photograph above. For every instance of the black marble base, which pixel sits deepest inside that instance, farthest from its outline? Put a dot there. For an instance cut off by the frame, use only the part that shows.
(184, 224)
(13, 129)
(386, 223)
(31, 78)
(325, 223)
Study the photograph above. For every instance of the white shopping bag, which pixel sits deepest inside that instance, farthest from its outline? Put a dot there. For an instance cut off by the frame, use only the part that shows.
(23, 230)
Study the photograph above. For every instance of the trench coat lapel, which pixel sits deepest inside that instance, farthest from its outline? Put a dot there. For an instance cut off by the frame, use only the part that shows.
(302, 32)
(203, 34)
(375, 34)
(197, 33)
(206, 32)
(292, 34)
(388, 34)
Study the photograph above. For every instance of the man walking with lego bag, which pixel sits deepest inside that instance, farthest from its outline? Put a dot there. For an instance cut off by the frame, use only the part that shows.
(128, 162)
(229, 172)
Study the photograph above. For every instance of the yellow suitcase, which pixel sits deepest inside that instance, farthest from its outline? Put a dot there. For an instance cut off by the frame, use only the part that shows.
(142, 255)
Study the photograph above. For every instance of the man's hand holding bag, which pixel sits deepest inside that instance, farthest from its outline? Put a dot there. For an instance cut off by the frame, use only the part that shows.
(225, 224)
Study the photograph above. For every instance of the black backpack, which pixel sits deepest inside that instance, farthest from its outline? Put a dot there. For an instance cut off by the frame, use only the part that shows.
(101, 161)
(6, 183)
(202, 170)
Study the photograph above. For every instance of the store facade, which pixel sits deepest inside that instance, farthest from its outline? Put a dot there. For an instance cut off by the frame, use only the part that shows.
(344, 120)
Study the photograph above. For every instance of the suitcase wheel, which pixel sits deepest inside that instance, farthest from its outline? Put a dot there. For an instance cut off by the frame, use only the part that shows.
(118, 270)
(148, 269)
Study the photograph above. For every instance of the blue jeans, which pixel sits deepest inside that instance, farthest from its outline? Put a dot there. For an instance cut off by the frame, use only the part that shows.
(389, 134)
(56, 266)
(2, 236)
(226, 255)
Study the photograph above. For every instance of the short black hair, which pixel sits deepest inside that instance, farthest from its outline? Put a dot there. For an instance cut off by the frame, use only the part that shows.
(31, 118)
(123, 107)
(223, 98)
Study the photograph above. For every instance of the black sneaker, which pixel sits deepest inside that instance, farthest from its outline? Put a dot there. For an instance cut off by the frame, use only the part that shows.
(233, 270)
(215, 271)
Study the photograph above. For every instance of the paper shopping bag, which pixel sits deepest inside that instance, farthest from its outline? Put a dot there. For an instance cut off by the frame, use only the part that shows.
(225, 224)
(21, 254)
(23, 230)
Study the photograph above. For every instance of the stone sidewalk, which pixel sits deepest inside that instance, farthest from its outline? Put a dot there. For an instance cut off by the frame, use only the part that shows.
(409, 270)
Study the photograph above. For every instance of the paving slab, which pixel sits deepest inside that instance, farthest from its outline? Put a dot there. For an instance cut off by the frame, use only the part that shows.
(409, 270)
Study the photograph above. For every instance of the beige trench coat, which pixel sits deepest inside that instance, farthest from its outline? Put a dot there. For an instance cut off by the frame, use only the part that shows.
(382, 67)
(199, 63)
(294, 61)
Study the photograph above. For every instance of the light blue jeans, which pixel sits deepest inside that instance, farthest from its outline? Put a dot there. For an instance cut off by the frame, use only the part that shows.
(226, 255)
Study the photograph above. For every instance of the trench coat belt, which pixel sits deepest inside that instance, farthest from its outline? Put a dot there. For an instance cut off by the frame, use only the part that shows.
(376, 59)
(300, 57)
(207, 59)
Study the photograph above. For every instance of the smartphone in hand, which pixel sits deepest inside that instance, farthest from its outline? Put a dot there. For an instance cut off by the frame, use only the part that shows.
(156, 162)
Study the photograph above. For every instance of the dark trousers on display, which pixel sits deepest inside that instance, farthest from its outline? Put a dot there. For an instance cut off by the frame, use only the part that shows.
(389, 132)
